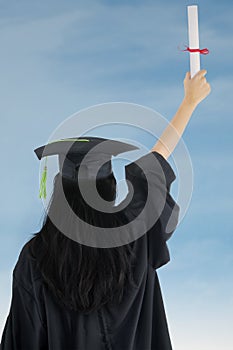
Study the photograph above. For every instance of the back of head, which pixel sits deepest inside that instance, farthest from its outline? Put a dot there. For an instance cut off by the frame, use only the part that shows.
(80, 277)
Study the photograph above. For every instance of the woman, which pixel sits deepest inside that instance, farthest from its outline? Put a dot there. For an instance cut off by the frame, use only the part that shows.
(67, 295)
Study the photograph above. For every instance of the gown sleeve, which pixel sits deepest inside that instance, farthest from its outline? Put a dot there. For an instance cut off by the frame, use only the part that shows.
(24, 329)
(163, 212)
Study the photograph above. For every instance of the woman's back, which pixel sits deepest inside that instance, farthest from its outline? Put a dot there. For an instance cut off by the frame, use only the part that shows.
(40, 319)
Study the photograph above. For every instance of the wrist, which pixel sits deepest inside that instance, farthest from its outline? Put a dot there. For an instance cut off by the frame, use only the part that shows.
(189, 104)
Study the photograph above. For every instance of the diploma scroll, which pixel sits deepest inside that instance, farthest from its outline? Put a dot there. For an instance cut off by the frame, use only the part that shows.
(193, 35)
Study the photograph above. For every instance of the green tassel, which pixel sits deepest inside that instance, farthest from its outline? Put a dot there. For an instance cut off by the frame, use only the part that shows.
(42, 193)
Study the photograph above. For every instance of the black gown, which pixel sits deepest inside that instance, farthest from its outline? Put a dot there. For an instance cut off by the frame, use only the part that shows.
(36, 322)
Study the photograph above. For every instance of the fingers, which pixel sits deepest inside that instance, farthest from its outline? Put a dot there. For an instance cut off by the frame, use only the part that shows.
(208, 86)
(201, 73)
(203, 79)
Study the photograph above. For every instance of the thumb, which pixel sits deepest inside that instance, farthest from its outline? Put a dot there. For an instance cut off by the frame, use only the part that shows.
(187, 77)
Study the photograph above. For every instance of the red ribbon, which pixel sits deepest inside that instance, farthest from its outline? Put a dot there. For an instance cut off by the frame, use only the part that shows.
(204, 51)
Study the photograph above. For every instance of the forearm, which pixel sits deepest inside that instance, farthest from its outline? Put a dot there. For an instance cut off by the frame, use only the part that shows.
(173, 132)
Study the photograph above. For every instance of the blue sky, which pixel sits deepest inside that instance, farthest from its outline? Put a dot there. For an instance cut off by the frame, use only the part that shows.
(58, 57)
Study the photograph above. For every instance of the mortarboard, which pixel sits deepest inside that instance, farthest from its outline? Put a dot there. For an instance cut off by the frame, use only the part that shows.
(71, 152)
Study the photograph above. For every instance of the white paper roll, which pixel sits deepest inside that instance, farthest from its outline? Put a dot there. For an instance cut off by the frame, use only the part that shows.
(193, 34)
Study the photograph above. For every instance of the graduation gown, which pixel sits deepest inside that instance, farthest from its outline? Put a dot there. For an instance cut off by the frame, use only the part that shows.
(36, 322)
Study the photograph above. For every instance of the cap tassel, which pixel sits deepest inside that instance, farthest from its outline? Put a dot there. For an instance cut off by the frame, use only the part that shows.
(42, 193)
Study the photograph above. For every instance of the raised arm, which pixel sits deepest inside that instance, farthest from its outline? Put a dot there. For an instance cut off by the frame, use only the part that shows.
(196, 89)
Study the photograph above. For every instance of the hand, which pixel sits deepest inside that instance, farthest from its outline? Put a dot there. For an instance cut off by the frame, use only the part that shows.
(197, 88)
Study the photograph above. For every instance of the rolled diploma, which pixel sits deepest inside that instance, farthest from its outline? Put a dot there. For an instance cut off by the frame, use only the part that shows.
(193, 34)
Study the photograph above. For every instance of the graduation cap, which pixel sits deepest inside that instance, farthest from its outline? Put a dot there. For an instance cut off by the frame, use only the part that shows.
(71, 152)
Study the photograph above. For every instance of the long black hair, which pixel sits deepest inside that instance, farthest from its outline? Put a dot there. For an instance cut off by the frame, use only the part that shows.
(80, 277)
